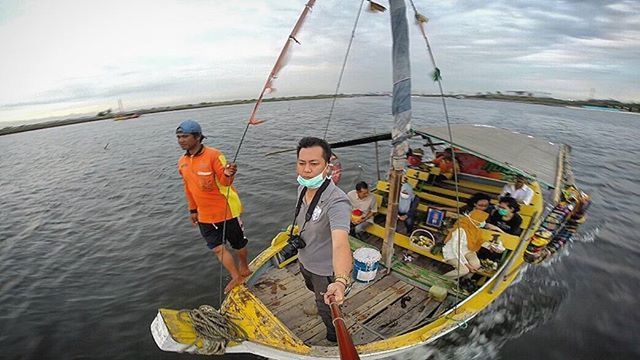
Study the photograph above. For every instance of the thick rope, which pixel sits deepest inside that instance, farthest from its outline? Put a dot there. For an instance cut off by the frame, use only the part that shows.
(421, 20)
(214, 329)
(344, 64)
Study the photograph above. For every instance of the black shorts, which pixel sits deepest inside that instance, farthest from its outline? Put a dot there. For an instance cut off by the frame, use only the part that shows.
(233, 232)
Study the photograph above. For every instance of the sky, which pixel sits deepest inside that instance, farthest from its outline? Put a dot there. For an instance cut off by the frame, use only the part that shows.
(69, 57)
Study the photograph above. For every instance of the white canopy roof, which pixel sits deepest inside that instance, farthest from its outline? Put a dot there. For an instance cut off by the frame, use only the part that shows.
(533, 157)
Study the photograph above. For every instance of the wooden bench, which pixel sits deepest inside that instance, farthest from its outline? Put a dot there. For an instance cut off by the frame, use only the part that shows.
(510, 242)
(445, 203)
(383, 186)
(489, 189)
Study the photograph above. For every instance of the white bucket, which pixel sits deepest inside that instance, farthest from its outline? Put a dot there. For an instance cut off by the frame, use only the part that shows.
(365, 264)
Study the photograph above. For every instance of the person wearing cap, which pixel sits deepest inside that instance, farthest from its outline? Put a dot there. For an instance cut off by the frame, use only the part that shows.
(214, 204)
(518, 190)
(414, 159)
(335, 168)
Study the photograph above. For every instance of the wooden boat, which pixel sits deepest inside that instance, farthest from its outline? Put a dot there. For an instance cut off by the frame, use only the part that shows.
(122, 115)
(128, 116)
(407, 302)
(395, 312)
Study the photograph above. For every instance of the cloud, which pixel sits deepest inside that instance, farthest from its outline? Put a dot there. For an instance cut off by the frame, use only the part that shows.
(91, 53)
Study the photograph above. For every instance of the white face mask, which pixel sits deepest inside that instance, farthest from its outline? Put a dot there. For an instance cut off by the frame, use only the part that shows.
(404, 195)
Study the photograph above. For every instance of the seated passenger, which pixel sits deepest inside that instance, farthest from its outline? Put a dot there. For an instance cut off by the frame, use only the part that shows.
(518, 190)
(363, 201)
(445, 161)
(407, 206)
(479, 201)
(462, 243)
(505, 217)
(414, 159)
(335, 167)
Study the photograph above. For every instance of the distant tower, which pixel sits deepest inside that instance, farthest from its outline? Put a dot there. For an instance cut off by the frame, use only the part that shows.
(592, 93)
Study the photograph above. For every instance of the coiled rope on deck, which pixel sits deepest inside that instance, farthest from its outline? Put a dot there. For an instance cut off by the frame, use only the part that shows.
(213, 328)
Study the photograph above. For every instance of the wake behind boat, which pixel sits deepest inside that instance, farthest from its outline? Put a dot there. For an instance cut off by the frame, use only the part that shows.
(405, 296)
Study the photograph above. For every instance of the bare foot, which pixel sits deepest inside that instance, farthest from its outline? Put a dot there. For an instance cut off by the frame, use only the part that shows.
(245, 272)
(233, 283)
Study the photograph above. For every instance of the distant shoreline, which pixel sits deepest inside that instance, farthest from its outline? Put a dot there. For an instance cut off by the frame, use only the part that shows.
(611, 105)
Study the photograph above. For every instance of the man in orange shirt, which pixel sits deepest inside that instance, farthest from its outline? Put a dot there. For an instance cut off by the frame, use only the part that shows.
(213, 202)
(446, 163)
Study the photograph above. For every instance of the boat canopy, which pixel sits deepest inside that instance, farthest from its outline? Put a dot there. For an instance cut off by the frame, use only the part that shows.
(532, 157)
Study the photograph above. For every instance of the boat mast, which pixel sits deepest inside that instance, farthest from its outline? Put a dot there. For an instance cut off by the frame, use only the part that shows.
(401, 110)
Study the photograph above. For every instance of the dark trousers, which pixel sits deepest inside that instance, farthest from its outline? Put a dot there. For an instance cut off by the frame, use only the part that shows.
(318, 284)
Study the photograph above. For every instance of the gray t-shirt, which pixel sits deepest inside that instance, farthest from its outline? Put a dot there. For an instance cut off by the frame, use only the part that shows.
(333, 212)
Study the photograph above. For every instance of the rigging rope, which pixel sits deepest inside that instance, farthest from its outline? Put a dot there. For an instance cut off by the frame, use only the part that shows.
(214, 329)
(268, 86)
(421, 20)
(344, 64)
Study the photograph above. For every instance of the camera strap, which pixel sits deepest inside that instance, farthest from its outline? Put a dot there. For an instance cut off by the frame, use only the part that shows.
(312, 206)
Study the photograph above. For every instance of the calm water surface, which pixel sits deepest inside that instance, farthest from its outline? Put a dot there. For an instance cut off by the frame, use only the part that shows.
(95, 234)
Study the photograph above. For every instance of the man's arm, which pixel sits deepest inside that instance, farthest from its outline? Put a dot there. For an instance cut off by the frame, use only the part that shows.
(342, 265)
(339, 219)
(373, 209)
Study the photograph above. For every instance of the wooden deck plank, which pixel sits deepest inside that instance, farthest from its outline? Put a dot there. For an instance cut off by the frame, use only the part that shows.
(274, 288)
(366, 311)
(381, 323)
(350, 305)
(421, 316)
(291, 300)
(371, 307)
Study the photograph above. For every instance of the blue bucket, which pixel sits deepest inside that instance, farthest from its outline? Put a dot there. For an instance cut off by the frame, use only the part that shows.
(365, 264)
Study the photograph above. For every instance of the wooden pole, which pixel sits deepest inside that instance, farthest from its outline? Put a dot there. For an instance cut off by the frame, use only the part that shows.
(395, 184)
(345, 343)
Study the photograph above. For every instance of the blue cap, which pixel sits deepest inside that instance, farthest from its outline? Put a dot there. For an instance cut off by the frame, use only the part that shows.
(189, 127)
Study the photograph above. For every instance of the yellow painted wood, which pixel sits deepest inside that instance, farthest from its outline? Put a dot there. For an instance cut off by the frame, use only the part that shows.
(439, 199)
(443, 191)
(423, 173)
(477, 186)
(384, 186)
(259, 322)
(179, 327)
(510, 242)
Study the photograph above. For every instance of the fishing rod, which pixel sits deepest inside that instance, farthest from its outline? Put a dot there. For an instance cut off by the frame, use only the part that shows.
(345, 343)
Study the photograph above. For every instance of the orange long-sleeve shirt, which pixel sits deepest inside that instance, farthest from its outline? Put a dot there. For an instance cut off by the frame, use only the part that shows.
(206, 185)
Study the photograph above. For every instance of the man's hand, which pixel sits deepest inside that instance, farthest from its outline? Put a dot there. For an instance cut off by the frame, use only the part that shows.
(337, 290)
(472, 268)
(194, 218)
(230, 169)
